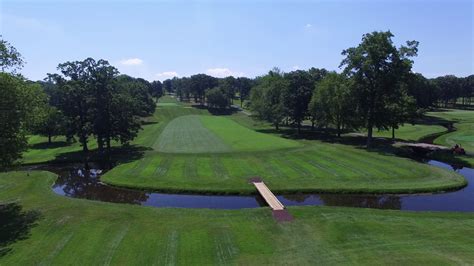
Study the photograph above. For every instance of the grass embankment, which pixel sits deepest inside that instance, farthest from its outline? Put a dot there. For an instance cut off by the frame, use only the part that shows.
(464, 123)
(317, 167)
(82, 232)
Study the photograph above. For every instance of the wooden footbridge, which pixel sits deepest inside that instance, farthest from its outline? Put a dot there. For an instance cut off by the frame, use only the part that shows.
(278, 210)
(269, 197)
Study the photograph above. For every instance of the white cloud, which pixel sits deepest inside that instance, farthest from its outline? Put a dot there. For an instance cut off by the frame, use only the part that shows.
(131, 62)
(166, 75)
(308, 26)
(223, 72)
(295, 67)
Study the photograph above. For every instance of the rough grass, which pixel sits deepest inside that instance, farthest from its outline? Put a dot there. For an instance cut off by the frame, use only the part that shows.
(315, 167)
(82, 232)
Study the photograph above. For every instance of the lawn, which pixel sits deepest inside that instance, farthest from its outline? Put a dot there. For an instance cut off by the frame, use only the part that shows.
(81, 232)
(214, 134)
(464, 134)
(411, 132)
(315, 167)
(191, 150)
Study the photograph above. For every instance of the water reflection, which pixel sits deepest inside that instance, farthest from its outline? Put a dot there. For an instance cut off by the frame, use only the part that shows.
(360, 201)
(74, 181)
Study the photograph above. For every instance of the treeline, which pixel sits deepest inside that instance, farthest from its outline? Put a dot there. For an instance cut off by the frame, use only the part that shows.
(375, 90)
(208, 90)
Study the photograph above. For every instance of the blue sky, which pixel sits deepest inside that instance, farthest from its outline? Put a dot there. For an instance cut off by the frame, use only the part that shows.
(156, 40)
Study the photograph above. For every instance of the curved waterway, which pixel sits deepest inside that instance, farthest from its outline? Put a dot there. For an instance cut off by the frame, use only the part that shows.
(76, 182)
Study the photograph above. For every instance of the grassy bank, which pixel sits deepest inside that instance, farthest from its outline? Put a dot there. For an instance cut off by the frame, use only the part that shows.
(464, 123)
(82, 232)
(315, 167)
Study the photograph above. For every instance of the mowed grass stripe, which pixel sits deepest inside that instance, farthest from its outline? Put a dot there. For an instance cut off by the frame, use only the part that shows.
(186, 134)
(313, 168)
(244, 139)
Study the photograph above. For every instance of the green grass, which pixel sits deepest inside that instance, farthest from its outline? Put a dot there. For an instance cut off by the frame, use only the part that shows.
(218, 154)
(464, 124)
(214, 134)
(315, 167)
(82, 232)
(186, 134)
(40, 151)
(464, 134)
(412, 132)
(241, 138)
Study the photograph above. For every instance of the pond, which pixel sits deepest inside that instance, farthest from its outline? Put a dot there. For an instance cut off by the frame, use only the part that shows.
(74, 181)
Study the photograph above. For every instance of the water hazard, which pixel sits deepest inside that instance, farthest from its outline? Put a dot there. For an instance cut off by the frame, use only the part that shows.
(80, 183)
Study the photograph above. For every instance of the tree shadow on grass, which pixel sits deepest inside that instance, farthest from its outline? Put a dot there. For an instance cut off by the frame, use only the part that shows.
(15, 225)
(122, 154)
(383, 146)
(144, 123)
(52, 145)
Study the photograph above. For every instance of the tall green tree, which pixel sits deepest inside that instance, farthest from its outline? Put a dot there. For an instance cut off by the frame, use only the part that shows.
(10, 59)
(331, 103)
(297, 95)
(53, 123)
(228, 85)
(243, 87)
(199, 83)
(402, 109)
(377, 68)
(21, 108)
(217, 98)
(157, 89)
(266, 99)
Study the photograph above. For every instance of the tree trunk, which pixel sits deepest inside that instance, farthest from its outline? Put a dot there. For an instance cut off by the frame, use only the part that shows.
(85, 151)
(100, 144)
(299, 127)
(49, 138)
(369, 136)
(277, 126)
(338, 130)
(108, 145)
(393, 133)
(312, 125)
(241, 102)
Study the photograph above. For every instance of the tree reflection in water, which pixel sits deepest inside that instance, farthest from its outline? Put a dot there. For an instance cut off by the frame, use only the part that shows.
(81, 183)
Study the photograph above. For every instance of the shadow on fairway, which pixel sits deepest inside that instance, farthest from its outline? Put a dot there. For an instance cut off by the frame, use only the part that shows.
(52, 145)
(382, 146)
(216, 111)
(15, 225)
(121, 154)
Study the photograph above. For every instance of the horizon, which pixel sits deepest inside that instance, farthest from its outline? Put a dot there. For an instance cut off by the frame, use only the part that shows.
(157, 41)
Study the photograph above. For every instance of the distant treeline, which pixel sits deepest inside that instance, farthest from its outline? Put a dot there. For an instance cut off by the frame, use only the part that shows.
(443, 91)
(376, 89)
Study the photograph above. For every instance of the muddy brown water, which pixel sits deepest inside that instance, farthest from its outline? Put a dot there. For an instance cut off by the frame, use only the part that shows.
(74, 181)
